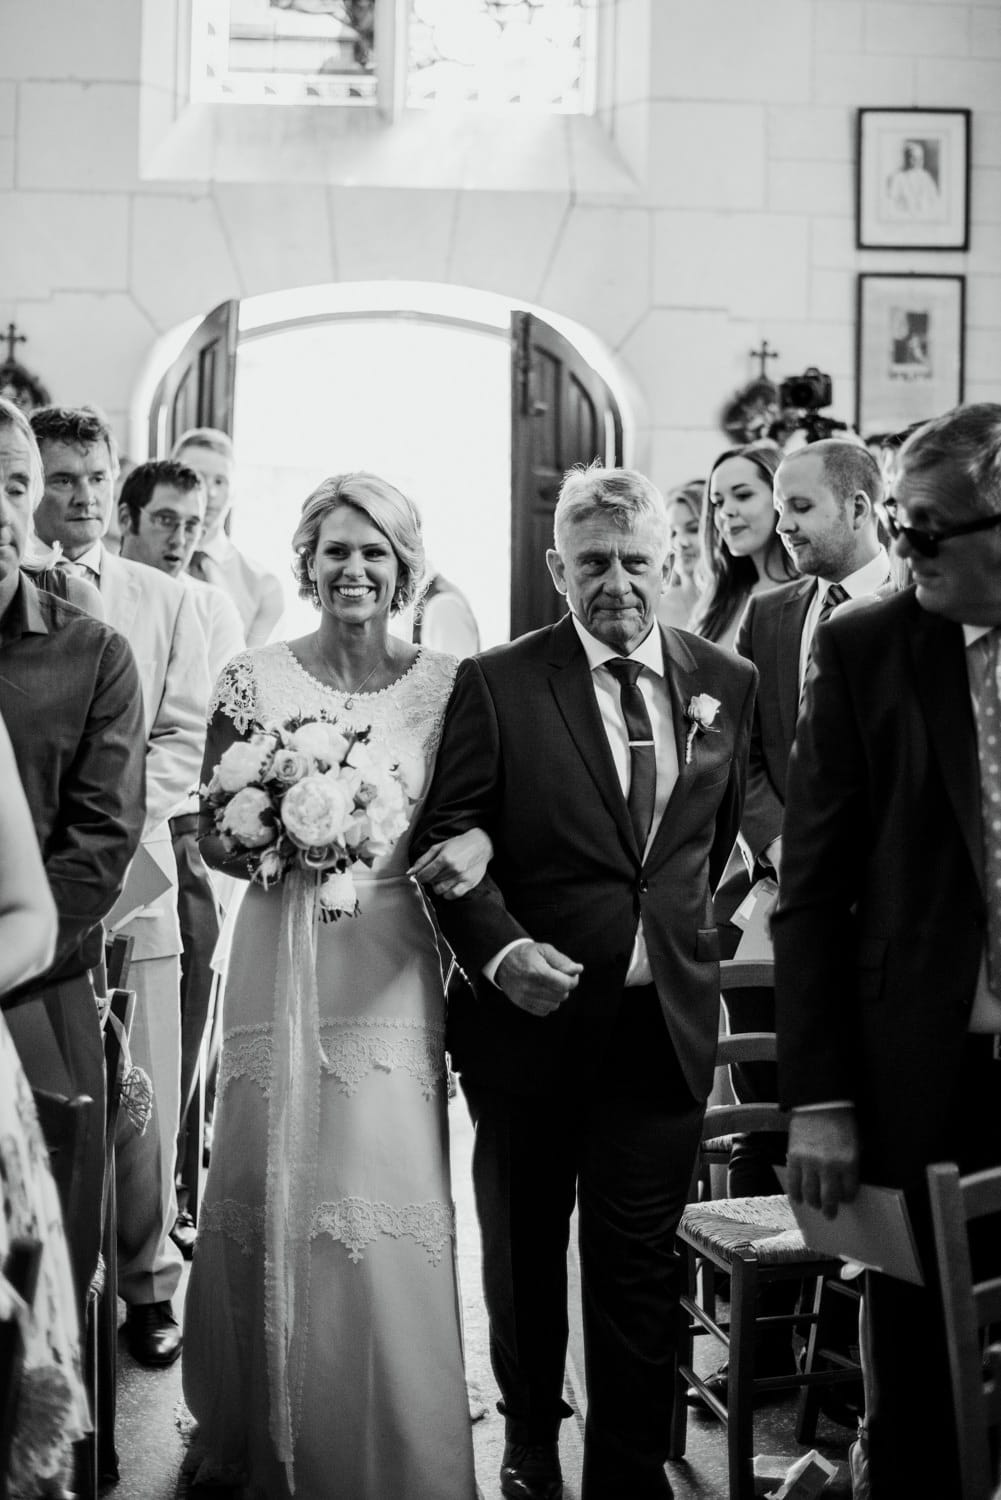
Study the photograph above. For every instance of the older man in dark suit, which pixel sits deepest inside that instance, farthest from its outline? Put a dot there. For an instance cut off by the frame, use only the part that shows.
(71, 699)
(888, 928)
(605, 757)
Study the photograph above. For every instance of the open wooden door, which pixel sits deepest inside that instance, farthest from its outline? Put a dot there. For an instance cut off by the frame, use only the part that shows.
(562, 413)
(197, 390)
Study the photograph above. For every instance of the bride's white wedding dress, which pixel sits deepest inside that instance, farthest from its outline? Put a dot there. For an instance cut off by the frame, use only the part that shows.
(376, 1397)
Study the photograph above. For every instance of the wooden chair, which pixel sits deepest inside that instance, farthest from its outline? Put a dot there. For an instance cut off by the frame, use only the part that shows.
(20, 1270)
(66, 1125)
(755, 1241)
(971, 1308)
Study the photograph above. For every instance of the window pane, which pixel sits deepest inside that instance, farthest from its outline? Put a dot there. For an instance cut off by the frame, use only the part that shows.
(284, 51)
(534, 53)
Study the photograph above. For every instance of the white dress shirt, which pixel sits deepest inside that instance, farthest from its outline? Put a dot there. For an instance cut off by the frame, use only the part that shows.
(653, 685)
(864, 581)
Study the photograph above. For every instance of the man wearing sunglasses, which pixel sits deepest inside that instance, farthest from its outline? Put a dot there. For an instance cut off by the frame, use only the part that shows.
(888, 928)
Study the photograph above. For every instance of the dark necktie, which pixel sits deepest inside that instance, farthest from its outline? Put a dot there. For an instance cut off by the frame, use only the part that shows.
(988, 715)
(642, 754)
(835, 595)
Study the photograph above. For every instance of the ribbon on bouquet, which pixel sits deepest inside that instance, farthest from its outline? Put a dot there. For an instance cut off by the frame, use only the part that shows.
(293, 1149)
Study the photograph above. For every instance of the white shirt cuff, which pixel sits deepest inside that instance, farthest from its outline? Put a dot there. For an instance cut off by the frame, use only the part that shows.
(809, 1109)
(490, 969)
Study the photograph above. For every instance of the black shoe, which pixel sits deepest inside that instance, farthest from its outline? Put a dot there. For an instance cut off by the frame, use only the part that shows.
(184, 1233)
(152, 1334)
(531, 1471)
(717, 1383)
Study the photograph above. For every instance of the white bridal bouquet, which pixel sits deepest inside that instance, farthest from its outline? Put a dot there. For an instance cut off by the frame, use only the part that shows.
(307, 795)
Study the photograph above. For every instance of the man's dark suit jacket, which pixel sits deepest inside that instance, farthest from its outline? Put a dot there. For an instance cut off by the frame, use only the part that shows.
(770, 635)
(879, 931)
(71, 700)
(525, 756)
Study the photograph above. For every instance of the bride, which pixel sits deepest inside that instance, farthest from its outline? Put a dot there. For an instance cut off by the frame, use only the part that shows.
(328, 1362)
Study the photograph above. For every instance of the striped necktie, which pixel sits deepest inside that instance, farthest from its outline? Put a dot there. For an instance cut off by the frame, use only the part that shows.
(835, 595)
(642, 753)
(988, 715)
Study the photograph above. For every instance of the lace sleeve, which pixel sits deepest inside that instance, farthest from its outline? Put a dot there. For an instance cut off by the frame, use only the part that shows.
(235, 693)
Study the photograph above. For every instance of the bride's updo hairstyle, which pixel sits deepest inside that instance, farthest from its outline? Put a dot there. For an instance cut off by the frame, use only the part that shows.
(385, 507)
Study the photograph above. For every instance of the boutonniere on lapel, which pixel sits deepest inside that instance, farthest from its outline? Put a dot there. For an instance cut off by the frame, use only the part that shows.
(701, 713)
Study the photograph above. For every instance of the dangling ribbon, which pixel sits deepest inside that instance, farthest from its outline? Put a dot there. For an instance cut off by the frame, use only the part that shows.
(293, 1149)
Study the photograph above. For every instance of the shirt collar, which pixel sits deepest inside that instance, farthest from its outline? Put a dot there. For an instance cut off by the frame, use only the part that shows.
(865, 580)
(92, 559)
(649, 653)
(973, 633)
(24, 615)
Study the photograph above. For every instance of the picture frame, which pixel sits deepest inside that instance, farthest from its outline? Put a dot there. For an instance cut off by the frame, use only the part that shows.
(910, 348)
(913, 179)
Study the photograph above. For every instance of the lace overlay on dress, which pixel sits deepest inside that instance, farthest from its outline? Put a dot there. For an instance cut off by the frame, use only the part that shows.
(358, 1224)
(247, 1054)
(355, 1046)
(237, 1221)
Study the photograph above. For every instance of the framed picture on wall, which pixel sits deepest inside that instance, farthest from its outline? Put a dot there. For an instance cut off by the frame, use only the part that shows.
(910, 334)
(913, 179)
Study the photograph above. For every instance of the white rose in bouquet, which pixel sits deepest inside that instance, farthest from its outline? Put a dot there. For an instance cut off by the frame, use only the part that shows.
(269, 868)
(241, 765)
(290, 766)
(323, 742)
(338, 895)
(315, 811)
(248, 817)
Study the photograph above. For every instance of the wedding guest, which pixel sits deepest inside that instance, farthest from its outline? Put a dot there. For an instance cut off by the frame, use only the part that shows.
(162, 513)
(826, 499)
(157, 616)
(69, 694)
(586, 1052)
(444, 619)
(888, 927)
(256, 592)
(681, 592)
(28, 917)
(322, 1340)
(741, 551)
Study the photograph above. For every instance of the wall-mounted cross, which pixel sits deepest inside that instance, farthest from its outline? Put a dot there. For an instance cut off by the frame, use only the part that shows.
(763, 355)
(13, 339)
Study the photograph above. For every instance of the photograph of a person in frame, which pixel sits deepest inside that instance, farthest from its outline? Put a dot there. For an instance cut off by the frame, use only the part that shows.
(913, 189)
(910, 357)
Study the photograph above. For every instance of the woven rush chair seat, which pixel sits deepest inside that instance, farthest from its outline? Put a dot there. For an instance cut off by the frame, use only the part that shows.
(725, 1226)
(720, 1145)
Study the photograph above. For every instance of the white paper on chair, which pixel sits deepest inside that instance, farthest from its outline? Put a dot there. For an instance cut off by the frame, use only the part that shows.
(752, 915)
(874, 1229)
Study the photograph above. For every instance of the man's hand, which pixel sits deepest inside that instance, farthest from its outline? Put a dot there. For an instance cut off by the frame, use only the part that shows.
(454, 867)
(823, 1158)
(537, 977)
(772, 855)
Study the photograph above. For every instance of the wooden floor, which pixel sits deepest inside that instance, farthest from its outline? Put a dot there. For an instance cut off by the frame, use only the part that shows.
(152, 1418)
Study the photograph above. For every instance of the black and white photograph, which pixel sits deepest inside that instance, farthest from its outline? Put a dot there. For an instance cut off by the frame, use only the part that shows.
(910, 348)
(913, 179)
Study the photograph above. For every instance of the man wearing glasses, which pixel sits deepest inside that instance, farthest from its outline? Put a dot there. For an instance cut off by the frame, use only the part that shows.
(162, 519)
(888, 927)
(159, 619)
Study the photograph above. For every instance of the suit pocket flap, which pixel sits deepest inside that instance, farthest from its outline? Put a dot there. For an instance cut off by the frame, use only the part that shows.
(707, 943)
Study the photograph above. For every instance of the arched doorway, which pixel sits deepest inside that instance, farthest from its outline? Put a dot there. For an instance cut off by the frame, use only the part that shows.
(472, 403)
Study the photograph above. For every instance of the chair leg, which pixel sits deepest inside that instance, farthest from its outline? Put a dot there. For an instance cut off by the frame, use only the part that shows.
(740, 1390)
(809, 1399)
(686, 1344)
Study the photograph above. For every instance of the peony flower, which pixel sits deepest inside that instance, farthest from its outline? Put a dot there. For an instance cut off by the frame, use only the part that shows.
(248, 817)
(242, 765)
(338, 894)
(315, 811)
(290, 766)
(324, 742)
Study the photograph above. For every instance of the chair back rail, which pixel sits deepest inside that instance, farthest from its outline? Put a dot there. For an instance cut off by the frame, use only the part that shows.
(969, 1308)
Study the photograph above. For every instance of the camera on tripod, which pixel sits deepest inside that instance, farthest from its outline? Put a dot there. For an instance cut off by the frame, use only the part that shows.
(801, 401)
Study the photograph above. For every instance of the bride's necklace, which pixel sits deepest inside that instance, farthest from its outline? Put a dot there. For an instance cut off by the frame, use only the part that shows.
(352, 693)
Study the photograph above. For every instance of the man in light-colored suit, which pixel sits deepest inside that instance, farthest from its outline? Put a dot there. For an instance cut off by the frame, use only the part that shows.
(161, 513)
(157, 617)
(257, 594)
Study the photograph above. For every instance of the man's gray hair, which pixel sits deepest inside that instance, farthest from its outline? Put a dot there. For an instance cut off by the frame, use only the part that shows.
(968, 439)
(11, 416)
(621, 496)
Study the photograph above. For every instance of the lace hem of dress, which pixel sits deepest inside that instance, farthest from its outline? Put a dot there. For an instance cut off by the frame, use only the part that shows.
(356, 1223)
(353, 1046)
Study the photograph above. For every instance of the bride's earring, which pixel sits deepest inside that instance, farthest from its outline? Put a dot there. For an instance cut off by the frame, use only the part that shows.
(316, 596)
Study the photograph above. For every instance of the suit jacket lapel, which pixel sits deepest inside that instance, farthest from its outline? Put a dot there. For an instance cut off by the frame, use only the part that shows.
(943, 687)
(788, 639)
(679, 669)
(574, 693)
(121, 591)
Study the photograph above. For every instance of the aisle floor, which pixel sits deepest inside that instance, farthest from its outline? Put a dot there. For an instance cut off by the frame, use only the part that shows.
(151, 1415)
